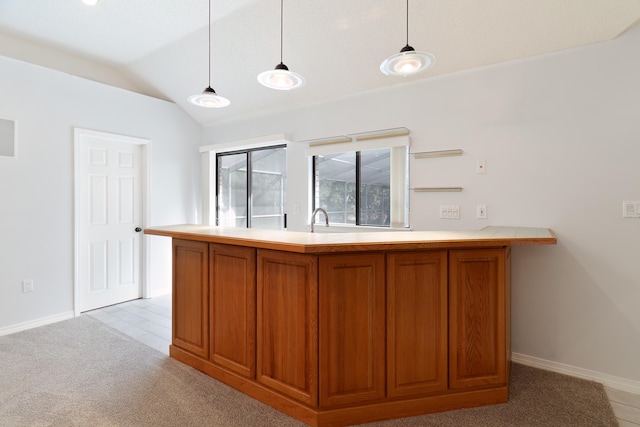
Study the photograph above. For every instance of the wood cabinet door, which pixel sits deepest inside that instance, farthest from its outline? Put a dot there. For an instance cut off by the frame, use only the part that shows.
(478, 322)
(190, 296)
(287, 324)
(232, 290)
(417, 354)
(352, 328)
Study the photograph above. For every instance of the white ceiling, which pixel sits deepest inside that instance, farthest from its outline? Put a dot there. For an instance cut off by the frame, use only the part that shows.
(160, 47)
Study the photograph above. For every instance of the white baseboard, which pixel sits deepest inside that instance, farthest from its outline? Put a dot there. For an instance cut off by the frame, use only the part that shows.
(159, 293)
(618, 383)
(35, 323)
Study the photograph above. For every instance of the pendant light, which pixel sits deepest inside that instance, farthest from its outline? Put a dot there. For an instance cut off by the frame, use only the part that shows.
(208, 98)
(408, 61)
(280, 77)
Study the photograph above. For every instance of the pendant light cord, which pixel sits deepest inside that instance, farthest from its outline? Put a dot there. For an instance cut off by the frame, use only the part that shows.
(407, 22)
(209, 21)
(281, 25)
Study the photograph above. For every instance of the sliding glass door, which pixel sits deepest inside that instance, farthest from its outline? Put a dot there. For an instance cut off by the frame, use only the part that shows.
(250, 188)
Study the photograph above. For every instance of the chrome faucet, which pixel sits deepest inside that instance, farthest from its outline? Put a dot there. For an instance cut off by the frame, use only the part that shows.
(313, 217)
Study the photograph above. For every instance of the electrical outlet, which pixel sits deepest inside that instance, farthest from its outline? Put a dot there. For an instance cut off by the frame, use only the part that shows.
(450, 212)
(27, 285)
(481, 211)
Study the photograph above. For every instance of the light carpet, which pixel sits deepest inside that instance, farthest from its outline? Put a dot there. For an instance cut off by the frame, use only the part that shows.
(81, 372)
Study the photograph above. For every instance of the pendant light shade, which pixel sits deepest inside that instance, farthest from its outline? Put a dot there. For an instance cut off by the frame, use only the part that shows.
(408, 61)
(280, 77)
(209, 98)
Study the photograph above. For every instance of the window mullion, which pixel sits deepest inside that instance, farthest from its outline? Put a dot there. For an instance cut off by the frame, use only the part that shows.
(218, 183)
(358, 219)
(315, 184)
(249, 190)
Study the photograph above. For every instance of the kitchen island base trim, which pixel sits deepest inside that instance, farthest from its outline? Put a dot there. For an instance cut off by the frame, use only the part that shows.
(371, 412)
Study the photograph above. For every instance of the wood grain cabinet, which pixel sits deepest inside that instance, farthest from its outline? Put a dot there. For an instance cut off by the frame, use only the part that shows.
(352, 328)
(478, 318)
(232, 321)
(190, 300)
(287, 324)
(337, 339)
(345, 329)
(417, 353)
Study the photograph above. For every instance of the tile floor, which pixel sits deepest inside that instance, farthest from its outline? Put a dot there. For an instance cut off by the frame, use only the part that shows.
(146, 320)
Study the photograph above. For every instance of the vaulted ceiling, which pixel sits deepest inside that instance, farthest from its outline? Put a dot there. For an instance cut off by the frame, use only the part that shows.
(160, 47)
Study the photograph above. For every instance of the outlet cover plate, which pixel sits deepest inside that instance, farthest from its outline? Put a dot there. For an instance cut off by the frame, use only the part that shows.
(450, 212)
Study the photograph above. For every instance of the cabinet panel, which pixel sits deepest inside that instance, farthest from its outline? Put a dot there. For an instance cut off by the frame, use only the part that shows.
(233, 307)
(352, 328)
(190, 296)
(287, 324)
(416, 323)
(478, 318)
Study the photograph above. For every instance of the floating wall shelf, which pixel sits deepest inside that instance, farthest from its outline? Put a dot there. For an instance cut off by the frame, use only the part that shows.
(441, 153)
(437, 189)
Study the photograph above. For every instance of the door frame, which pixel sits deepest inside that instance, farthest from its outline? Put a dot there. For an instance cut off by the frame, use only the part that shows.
(145, 191)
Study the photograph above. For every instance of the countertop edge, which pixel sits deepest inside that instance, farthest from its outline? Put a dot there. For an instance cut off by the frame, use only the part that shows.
(472, 241)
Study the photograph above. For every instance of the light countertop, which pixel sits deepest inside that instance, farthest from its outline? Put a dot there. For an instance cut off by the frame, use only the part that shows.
(305, 242)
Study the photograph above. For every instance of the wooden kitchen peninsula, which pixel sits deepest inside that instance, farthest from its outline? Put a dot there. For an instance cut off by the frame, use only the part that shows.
(345, 328)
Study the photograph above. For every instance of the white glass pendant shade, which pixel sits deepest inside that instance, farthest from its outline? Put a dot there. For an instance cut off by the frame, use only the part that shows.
(407, 62)
(281, 78)
(209, 99)
(91, 2)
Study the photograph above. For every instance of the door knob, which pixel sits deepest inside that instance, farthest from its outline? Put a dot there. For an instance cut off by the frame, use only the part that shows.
(138, 229)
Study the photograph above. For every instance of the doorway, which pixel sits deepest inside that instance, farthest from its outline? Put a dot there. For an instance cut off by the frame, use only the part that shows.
(110, 213)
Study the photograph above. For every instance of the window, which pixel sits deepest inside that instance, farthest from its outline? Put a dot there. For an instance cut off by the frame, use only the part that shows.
(250, 189)
(362, 179)
(354, 187)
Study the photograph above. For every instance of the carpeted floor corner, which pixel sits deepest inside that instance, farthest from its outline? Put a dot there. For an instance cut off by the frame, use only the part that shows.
(81, 372)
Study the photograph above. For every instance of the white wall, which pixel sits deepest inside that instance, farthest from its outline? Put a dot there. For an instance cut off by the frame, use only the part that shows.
(36, 187)
(560, 135)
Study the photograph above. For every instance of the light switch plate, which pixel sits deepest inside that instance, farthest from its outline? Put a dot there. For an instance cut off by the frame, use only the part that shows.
(481, 167)
(631, 209)
(481, 211)
(27, 285)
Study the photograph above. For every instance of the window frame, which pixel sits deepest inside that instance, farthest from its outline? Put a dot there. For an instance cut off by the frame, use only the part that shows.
(208, 170)
(398, 141)
(249, 181)
(358, 189)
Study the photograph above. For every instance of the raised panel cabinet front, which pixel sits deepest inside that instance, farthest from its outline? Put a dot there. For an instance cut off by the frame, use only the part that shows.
(417, 323)
(287, 324)
(478, 322)
(232, 289)
(190, 296)
(352, 328)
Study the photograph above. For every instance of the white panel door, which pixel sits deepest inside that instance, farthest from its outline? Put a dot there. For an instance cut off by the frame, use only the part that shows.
(109, 215)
